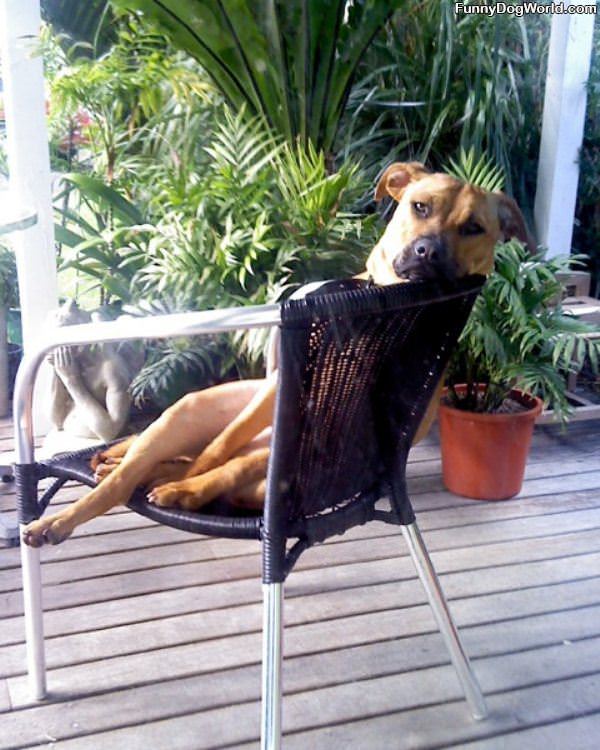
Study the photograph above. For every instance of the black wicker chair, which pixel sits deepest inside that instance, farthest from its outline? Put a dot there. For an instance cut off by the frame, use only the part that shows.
(358, 365)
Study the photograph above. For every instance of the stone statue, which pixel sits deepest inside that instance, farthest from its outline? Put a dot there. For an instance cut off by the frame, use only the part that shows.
(89, 398)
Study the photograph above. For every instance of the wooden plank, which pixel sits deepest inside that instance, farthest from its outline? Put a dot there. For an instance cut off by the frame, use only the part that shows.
(90, 542)
(525, 688)
(397, 618)
(347, 549)
(423, 476)
(305, 673)
(582, 733)
(120, 521)
(117, 524)
(102, 544)
(182, 663)
(167, 604)
(549, 440)
(202, 574)
(318, 635)
(75, 594)
(5, 704)
(579, 413)
(11, 558)
(449, 725)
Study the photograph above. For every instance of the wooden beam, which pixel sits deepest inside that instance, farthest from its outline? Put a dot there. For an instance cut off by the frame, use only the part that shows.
(562, 129)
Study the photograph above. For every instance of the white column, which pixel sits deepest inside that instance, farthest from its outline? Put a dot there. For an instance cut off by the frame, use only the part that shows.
(29, 167)
(562, 129)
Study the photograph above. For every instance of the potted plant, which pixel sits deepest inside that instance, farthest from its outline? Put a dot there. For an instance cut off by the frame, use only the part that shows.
(512, 358)
(8, 298)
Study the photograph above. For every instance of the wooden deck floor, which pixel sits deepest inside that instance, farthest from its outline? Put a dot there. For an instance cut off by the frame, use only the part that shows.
(153, 636)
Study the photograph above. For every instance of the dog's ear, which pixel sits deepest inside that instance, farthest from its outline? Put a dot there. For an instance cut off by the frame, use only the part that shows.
(512, 223)
(396, 177)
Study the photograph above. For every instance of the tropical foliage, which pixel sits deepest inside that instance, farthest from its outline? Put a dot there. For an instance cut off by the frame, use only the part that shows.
(517, 335)
(433, 82)
(173, 197)
(290, 62)
(586, 237)
(476, 171)
(225, 153)
(90, 22)
(8, 278)
(265, 218)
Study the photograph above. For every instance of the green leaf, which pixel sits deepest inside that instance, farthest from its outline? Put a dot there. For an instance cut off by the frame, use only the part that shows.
(292, 63)
(95, 188)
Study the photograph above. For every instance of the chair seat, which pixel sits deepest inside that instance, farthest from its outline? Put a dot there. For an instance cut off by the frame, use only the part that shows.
(218, 518)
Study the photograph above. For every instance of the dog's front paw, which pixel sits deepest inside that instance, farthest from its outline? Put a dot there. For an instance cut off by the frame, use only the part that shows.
(51, 530)
(179, 494)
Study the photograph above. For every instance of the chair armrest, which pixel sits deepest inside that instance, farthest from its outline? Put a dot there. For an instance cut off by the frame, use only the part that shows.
(124, 329)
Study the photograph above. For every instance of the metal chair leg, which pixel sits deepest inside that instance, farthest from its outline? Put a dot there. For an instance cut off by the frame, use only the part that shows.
(444, 620)
(271, 666)
(34, 626)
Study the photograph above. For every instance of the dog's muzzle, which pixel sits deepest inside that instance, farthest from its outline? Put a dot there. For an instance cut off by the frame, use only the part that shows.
(426, 258)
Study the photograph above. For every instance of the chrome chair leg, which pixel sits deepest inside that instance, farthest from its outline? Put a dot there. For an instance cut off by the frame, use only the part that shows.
(444, 620)
(34, 626)
(271, 666)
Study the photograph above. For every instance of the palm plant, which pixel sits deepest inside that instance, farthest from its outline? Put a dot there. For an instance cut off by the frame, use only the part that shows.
(292, 63)
(262, 218)
(480, 171)
(173, 367)
(176, 198)
(120, 92)
(432, 82)
(518, 336)
(100, 228)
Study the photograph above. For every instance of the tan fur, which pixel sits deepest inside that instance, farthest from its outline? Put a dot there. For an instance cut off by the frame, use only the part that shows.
(226, 428)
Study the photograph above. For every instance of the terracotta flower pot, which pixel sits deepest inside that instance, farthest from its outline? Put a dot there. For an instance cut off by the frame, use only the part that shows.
(484, 455)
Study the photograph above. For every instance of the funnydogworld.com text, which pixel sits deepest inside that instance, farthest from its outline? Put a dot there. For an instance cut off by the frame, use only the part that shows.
(523, 9)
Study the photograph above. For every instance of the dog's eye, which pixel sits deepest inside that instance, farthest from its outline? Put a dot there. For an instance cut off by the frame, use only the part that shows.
(470, 228)
(421, 209)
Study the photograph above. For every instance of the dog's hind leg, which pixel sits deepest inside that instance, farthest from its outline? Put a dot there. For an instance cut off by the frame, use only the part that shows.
(240, 433)
(192, 493)
(251, 496)
(186, 427)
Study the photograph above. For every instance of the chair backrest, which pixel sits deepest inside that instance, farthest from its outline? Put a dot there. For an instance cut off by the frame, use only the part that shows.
(357, 369)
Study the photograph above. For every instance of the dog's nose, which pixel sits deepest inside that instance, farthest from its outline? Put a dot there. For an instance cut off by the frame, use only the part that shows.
(429, 249)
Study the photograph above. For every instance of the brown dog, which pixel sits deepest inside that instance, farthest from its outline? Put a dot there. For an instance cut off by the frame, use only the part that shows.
(441, 227)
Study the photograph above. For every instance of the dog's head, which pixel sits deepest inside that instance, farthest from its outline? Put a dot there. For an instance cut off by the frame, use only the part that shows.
(441, 227)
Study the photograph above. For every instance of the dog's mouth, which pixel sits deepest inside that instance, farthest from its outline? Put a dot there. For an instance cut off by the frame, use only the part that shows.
(414, 270)
(425, 259)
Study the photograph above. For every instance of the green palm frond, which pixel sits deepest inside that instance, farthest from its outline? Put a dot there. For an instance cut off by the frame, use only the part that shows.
(291, 62)
(518, 335)
(479, 171)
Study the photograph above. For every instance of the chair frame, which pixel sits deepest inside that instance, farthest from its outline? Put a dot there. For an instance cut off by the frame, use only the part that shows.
(193, 324)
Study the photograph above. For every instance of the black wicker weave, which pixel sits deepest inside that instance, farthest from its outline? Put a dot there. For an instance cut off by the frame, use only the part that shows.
(358, 366)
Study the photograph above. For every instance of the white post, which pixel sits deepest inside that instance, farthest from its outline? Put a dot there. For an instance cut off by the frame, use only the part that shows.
(29, 169)
(562, 129)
